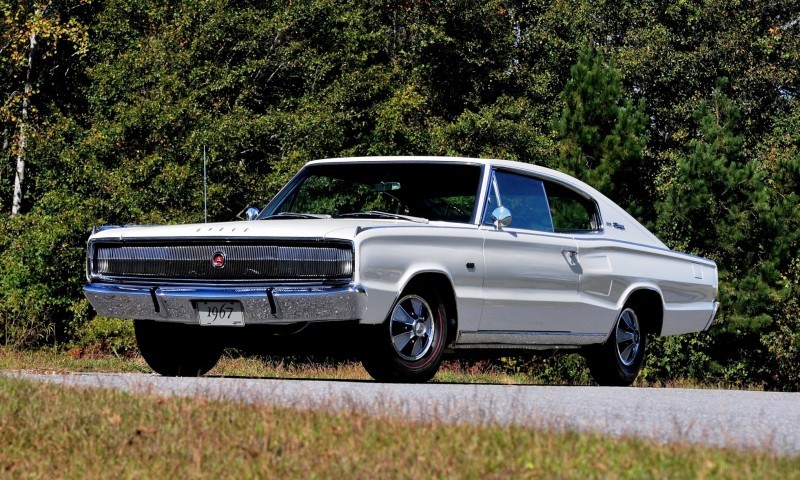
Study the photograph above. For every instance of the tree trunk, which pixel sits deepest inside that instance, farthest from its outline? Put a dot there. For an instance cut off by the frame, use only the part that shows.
(19, 178)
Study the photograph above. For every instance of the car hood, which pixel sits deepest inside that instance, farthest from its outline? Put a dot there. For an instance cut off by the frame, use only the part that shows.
(327, 228)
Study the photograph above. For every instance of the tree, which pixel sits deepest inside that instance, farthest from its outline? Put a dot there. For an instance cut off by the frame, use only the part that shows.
(719, 204)
(779, 153)
(600, 133)
(31, 35)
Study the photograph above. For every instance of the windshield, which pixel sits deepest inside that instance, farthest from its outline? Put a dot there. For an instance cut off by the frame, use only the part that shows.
(432, 191)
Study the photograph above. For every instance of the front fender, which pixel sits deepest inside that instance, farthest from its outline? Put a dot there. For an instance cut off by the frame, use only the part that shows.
(387, 259)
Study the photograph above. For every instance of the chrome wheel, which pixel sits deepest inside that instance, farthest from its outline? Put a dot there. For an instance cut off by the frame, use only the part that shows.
(408, 346)
(628, 337)
(411, 327)
(618, 361)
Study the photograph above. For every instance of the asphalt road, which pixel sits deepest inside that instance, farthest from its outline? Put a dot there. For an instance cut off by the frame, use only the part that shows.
(740, 419)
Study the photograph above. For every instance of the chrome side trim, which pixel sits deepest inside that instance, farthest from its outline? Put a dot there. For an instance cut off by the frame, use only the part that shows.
(261, 305)
(511, 339)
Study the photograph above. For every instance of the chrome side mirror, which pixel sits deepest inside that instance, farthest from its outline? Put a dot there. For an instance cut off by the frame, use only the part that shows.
(251, 213)
(501, 217)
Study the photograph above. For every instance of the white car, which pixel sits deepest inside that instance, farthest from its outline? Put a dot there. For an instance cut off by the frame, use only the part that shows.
(427, 255)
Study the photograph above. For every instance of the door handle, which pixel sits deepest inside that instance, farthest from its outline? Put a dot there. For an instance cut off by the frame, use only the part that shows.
(571, 256)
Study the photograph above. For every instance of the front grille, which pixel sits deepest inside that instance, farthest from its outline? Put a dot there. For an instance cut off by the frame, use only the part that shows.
(243, 262)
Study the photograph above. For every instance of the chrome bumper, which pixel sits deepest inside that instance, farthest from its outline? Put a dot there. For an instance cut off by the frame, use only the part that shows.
(261, 305)
(714, 312)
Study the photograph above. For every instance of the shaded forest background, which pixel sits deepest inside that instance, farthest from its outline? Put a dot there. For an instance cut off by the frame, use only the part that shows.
(683, 111)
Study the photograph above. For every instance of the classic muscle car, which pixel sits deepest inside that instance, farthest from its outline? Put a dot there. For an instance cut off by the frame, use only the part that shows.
(427, 255)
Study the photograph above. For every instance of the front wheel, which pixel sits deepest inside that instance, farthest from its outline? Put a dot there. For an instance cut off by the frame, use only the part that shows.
(408, 346)
(177, 350)
(618, 361)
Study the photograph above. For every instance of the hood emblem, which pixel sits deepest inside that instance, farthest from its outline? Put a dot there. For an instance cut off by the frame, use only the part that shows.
(218, 259)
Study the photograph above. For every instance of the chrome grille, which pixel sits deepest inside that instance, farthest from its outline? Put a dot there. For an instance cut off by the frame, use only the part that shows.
(242, 262)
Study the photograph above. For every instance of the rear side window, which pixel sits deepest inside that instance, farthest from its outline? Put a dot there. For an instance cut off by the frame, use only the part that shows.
(571, 212)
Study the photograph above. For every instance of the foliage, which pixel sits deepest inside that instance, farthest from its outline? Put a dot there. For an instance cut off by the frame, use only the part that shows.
(626, 95)
(558, 368)
(680, 357)
(40, 43)
(782, 339)
(600, 133)
(719, 192)
(103, 334)
(41, 257)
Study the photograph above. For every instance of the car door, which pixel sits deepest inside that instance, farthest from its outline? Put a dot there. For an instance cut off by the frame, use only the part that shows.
(532, 275)
(577, 214)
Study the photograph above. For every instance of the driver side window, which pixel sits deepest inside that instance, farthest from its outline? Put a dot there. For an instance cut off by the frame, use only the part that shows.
(525, 198)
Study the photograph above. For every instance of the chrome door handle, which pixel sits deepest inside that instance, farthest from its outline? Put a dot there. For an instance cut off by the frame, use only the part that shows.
(570, 256)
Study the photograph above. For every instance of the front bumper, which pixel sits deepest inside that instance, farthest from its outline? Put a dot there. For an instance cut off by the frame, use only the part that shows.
(260, 305)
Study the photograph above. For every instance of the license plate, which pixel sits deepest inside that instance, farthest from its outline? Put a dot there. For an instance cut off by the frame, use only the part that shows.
(226, 314)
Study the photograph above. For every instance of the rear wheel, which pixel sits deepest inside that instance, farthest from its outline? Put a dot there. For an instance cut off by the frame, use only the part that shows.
(408, 346)
(618, 361)
(177, 350)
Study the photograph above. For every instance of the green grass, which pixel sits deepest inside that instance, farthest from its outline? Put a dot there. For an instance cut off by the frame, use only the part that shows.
(52, 432)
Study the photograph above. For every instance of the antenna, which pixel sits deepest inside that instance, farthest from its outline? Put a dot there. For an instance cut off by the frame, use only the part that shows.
(205, 188)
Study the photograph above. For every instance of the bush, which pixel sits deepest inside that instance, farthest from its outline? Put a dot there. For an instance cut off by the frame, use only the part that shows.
(106, 335)
(678, 358)
(41, 273)
(549, 367)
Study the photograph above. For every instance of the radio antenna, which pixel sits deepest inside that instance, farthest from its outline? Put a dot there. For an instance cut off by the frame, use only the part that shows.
(205, 188)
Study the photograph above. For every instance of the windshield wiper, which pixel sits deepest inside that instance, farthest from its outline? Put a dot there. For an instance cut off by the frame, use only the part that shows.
(294, 215)
(379, 214)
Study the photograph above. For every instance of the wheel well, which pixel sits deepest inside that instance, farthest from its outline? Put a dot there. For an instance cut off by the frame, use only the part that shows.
(648, 303)
(441, 283)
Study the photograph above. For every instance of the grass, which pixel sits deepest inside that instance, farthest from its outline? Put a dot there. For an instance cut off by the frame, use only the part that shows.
(234, 365)
(57, 361)
(52, 432)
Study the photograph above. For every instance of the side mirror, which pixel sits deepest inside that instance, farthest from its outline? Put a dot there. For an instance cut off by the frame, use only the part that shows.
(501, 217)
(249, 213)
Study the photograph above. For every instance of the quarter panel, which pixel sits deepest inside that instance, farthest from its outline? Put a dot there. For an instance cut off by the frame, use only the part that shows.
(612, 270)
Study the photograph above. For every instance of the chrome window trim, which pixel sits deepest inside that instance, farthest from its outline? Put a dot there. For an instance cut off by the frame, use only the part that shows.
(544, 179)
(283, 193)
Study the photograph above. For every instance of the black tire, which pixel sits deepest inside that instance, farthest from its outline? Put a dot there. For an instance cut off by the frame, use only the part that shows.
(408, 346)
(618, 361)
(177, 350)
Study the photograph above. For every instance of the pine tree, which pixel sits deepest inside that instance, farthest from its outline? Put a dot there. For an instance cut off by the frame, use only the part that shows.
(600, 132)
(718, 205)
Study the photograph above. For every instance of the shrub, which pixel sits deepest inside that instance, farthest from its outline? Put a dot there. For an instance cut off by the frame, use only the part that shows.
(103, 334)
(41, 273)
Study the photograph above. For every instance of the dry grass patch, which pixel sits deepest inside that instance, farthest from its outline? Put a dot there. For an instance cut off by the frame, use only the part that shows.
(51, 360)
(234, 364)
(278, 367)
(52, 432)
